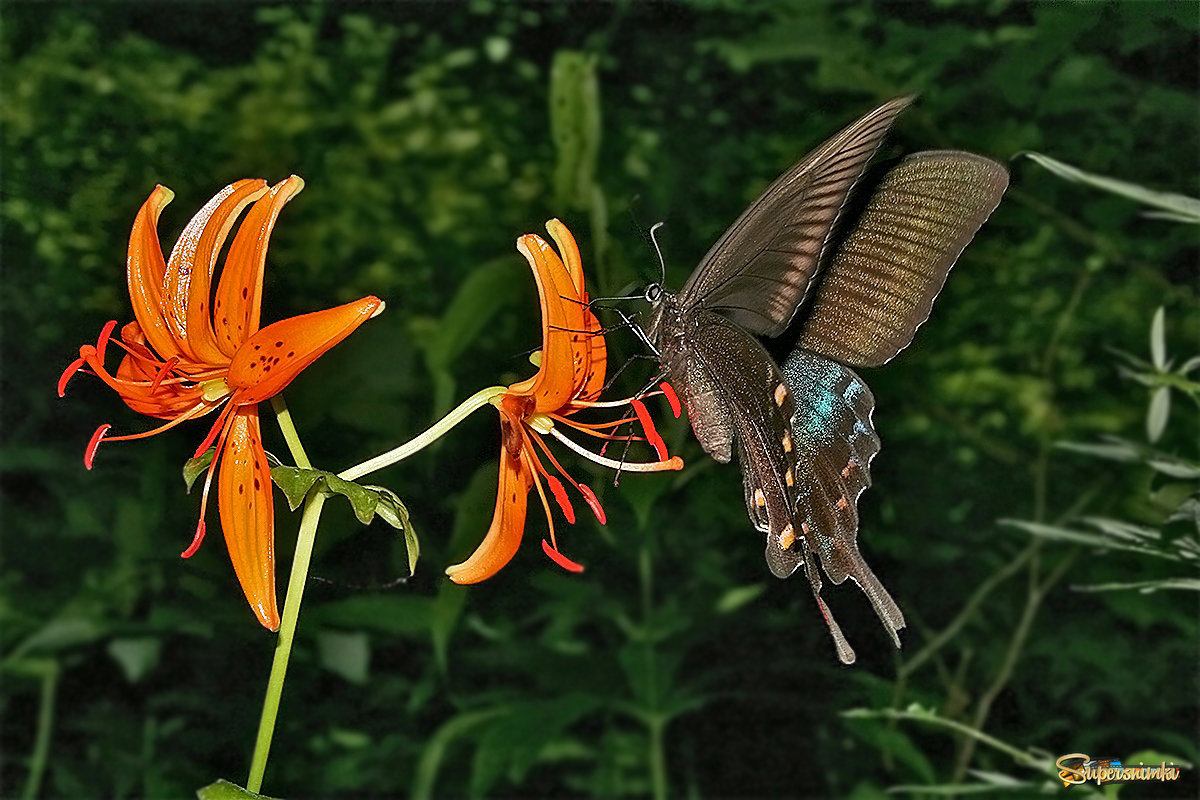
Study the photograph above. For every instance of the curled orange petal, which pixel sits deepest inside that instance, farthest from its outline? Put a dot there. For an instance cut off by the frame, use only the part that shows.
(237, 305)
(145, 270)
(273, 357)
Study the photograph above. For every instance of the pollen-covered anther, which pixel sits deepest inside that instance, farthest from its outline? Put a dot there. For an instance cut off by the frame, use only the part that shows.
(669, 392)
(560, 495)
(786, 537)
(68, 373)
(560, 559)
(652, 436)
(89, 454)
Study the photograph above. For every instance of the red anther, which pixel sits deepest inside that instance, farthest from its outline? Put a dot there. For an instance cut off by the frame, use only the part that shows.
(603, 447)
(102, 342)
(196, 540)
(672, 398)
(652, 436)
(163, 371)
(560, 559)
(593, 502)
(71, 369)
(89, 454)
(560, 494)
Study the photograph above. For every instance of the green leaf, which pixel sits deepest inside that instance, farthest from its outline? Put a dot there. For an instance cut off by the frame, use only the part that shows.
(739, 596)
(345, 654)
(58, 634)
(365, 501)
(435, 748)
(1180, 208)
(295, 483)
(443, 619)
(193, 468)
(575, 126)
(1145, 587)
(224, 790)
(888, 739)
(1158, 413)
(1158, 339)
(136, 656)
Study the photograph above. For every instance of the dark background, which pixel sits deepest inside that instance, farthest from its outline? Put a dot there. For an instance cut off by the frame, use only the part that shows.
(675, 666)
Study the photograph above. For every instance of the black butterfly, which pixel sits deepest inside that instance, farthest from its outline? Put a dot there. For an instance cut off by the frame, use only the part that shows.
(803, 434)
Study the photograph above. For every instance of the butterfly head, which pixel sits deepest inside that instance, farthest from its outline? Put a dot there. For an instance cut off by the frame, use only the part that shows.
(654, 294)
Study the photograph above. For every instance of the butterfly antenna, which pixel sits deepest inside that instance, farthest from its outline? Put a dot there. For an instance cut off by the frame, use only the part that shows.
(662, 263)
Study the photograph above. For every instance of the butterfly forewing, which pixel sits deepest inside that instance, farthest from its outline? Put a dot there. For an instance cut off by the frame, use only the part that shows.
(881, 283)
(759, 272)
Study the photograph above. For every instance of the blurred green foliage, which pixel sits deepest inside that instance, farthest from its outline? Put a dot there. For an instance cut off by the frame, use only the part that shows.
(430, 136)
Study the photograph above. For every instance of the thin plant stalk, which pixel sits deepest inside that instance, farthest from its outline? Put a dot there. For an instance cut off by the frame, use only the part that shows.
(306, 539)
(41, 742)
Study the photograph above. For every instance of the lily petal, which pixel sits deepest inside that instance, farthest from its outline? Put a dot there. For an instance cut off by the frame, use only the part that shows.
(508, 522)
(592, 350)
(247, 513)
(145, 269)
(237, 306)
(563, 356)
(187, 280)
(273, 357)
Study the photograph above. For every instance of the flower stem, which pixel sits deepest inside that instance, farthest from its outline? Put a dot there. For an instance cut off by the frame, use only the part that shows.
(287, 630)
(438, 430)
(291, 604)
(288, 429)
(41, 742)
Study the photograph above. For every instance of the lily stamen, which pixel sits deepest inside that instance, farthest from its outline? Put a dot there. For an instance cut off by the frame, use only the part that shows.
(674, 463)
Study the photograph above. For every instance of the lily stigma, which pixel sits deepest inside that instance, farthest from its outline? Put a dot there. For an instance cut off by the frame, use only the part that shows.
(571, 374)
(191, 351)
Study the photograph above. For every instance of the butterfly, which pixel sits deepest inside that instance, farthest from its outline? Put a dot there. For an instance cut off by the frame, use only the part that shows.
(803, 431)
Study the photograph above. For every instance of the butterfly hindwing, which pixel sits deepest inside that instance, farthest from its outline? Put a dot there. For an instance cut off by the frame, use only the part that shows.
(881, 284)
(836, 442)
(759, 272)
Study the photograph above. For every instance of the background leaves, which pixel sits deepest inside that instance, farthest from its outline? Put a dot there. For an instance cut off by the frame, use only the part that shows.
(674, 665)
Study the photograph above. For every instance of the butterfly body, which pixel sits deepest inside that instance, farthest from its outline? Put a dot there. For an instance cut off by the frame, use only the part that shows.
(803, 432)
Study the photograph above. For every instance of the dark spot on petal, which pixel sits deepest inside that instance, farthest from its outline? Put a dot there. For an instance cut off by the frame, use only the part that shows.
(245, 293)
(291, 353)
(241, 488)
(257, 485)
(279, 344)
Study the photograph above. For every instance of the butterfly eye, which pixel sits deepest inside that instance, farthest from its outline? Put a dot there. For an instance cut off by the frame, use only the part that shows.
(653, 293)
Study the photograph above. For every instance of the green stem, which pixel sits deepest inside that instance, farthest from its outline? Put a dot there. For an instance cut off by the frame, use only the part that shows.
(41, 742)
(288, 429)
(439, 429)
(656, 723)
(287, 630)
(291, 604)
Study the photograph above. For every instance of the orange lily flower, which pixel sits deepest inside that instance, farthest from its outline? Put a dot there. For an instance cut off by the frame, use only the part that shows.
(191, 351)
(570, 377)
